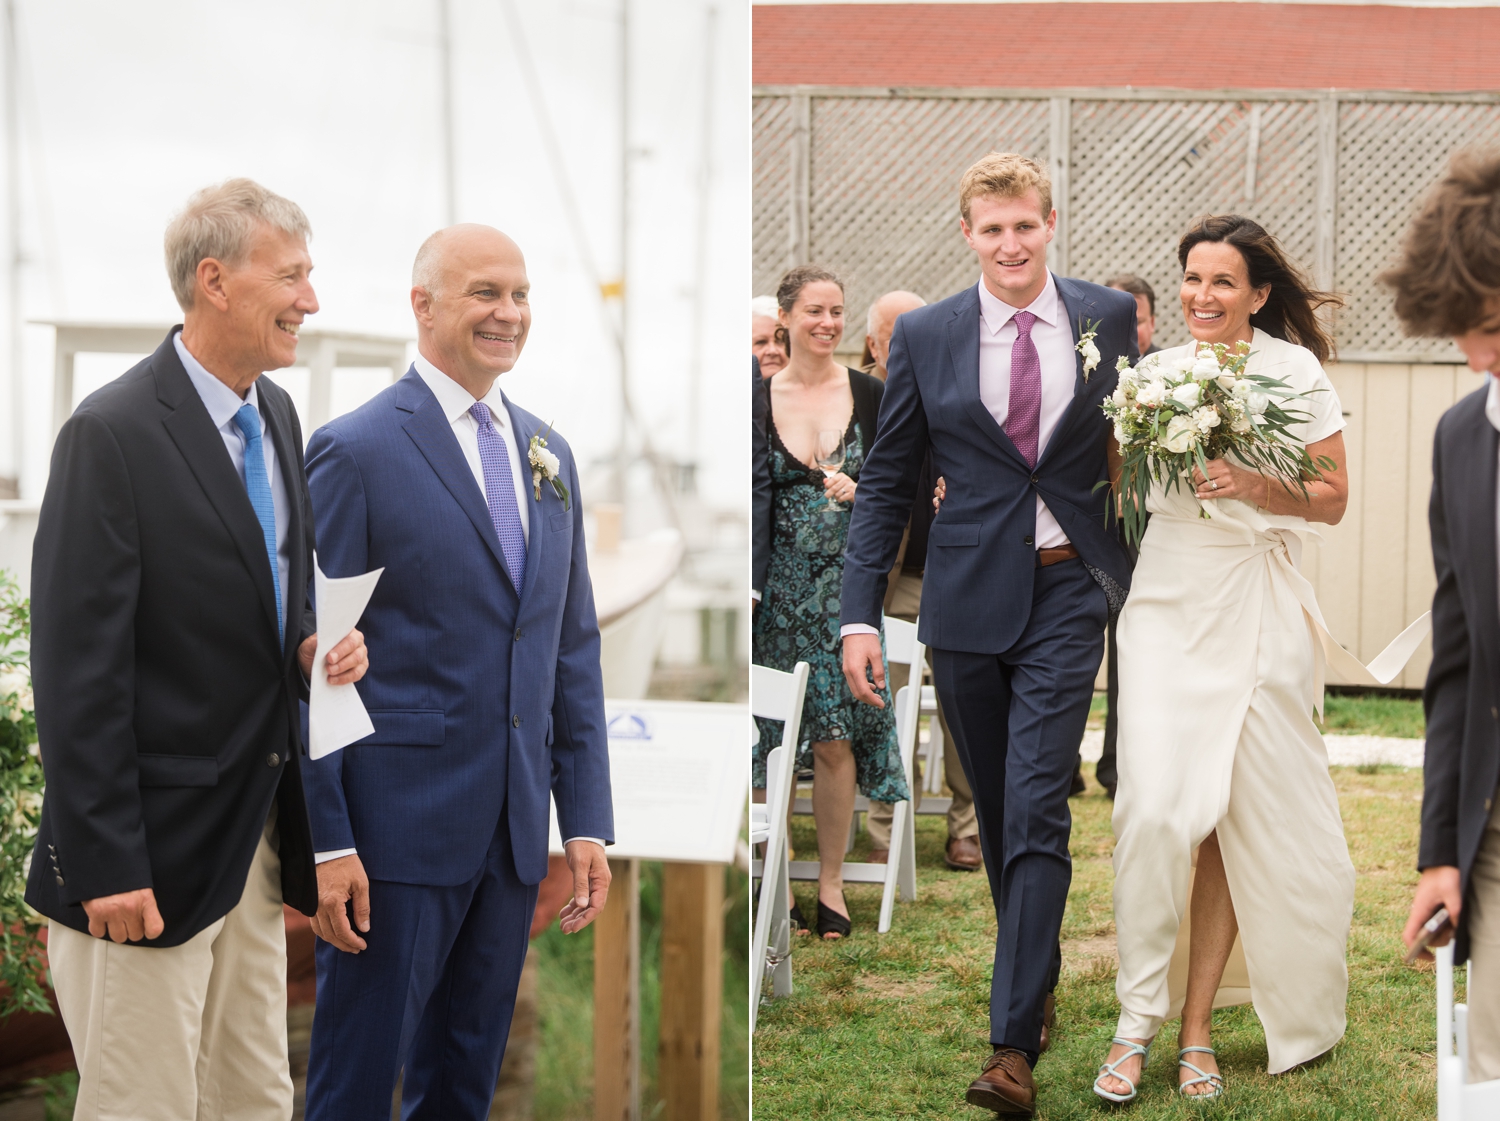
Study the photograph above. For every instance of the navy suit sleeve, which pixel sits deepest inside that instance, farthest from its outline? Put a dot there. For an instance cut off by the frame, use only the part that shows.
(887, 485)
(1446, 695)
(338, 500)
(86, 569)
(580, 741)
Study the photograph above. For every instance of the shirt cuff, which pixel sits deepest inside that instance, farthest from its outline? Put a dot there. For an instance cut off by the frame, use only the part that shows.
(597, 840)
(755, 595)
(857, 628)
(331, 854)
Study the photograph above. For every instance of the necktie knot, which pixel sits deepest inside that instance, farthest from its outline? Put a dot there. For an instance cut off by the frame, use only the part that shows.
(248, 421)
(480, 412)
(1024, 322)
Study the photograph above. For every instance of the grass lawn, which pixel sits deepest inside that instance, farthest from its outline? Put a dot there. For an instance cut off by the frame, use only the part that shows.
(895, 1025)
(1345, 714)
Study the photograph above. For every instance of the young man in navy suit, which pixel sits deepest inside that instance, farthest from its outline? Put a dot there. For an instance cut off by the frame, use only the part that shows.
(1002, 383)
(489, 704)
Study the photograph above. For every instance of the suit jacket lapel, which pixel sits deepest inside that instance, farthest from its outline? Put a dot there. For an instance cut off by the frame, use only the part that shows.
(430, 431)
(963, 349)
(524, 429)
(1077, 307)
(1482, 519)
(199, 441)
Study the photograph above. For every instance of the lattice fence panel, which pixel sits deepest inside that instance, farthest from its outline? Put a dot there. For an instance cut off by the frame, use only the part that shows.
(885, 177)
(1143, 170)
(1390, 153)
(771, 170)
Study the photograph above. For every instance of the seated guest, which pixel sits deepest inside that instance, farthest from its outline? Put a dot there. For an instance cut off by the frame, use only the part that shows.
(813, 402)
(903, 600)
(1448, 283)
(765, 347)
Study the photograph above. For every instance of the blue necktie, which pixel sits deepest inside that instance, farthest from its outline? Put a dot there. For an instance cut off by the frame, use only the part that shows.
(500, 494)
(258, 483)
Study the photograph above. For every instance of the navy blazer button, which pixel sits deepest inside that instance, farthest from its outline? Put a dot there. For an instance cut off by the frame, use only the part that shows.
(59, 881)
(515, 721)
(273, 759)
(1026, 540)
(1034, 479)
(518, 634)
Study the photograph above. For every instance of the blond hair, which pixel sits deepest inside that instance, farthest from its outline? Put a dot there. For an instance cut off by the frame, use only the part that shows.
(1005, 175)
(218, 222)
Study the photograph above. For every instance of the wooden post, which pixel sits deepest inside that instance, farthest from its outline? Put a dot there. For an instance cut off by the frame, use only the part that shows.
(617, 1018)
(692, 986)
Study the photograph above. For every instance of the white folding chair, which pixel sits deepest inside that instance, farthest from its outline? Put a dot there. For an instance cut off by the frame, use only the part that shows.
(774, 696)
(1458, 1098)
(899, 873)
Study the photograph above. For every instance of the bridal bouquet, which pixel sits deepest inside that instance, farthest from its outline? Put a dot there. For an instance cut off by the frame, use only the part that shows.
(1170, 417)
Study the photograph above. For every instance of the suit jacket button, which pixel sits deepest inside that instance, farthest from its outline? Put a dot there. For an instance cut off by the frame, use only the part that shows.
(1034, 479)
(515, 721)
(273, 760)
(59, 881)
(518, 634)
(1026, 540)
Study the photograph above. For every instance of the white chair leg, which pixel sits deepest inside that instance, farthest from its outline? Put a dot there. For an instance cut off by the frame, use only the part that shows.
(900, 827)
(781, 932)
(908, 858)
(933, 779)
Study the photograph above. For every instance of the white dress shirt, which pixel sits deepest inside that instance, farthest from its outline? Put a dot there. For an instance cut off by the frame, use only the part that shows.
(1053, 336)
(222, 404)
(456, 401)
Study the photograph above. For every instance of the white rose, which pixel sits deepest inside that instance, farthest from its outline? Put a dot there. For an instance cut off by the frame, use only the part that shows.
(1188, 394)
(1241, 423)
(12, 682)
(1152, 394)
(1205, 367)
(1090, 353)
(1120, 397)
(1242, 389)
(1227, 382)
(1119, 433)
(549, 462)
(1181, 435)
(1257, 402)
(1206, 418)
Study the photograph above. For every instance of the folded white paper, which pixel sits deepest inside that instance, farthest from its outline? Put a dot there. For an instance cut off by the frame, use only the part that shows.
(336, 715)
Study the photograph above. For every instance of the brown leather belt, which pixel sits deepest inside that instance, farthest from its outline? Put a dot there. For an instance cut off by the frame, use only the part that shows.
(1044, 557)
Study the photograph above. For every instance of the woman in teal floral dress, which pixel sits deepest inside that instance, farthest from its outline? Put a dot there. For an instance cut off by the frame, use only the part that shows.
(844, 742)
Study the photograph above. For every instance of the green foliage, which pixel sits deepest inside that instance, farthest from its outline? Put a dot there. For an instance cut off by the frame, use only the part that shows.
(1371, 714)
(20, 810)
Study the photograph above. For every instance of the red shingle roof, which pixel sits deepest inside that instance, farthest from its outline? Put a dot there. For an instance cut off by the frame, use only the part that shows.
(1182, 46)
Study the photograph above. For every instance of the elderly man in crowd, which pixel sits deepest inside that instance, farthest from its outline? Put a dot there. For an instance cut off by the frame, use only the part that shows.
(767, 352)
(903, 600)
(171, 638)
(1145, 308)
(487, 702)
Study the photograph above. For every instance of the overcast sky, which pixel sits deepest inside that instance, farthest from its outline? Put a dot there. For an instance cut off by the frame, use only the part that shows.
(128, 108)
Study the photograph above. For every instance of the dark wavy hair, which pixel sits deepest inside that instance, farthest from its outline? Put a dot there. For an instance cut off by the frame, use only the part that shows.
(1448, 278)
(1291, 310)
(790, 288)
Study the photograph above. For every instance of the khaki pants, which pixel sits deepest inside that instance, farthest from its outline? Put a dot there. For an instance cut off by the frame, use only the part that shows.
(905, 604)
(195, 1032)
(1484, 956)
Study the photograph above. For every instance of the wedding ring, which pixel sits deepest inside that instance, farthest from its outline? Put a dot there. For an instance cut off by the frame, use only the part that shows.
(1214, 483)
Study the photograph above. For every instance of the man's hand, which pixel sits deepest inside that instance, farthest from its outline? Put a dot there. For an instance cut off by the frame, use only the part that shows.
(338, 882)
(1438, 887)
(127, 917)
(347, 661)
(862, 653)
(939, 492)
(590, 868)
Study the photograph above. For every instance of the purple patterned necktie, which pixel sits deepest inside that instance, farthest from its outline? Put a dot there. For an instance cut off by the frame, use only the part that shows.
(1023, 419)
(500, 493)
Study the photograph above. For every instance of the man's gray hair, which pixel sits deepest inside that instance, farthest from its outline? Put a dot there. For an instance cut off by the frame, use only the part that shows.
(763, 305)
(870, 317)
(218, 222)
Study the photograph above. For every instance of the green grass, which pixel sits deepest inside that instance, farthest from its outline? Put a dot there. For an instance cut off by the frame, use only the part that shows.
(566, 996)
(1373, 715)
(895, 1025)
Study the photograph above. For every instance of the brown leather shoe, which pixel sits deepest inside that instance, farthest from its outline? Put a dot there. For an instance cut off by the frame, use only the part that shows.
(1005, 1085)
(880, 856)
(1049, 1014)
(963, 854)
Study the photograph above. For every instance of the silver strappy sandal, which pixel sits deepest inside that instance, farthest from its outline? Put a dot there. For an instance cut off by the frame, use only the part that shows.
(1111, 1070)
(1214, 1081)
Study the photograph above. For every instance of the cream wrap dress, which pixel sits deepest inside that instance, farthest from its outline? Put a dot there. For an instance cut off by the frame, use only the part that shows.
(1220, 671)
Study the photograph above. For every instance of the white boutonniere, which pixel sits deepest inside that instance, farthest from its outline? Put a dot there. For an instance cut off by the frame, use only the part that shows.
(545, 465)
(1087, 329)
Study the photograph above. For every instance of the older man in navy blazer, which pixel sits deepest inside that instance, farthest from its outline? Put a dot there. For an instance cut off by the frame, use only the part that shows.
(1023, 567)
(433, 830)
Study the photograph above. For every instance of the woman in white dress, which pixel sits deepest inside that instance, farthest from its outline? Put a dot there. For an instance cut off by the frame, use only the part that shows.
(1232, 878)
